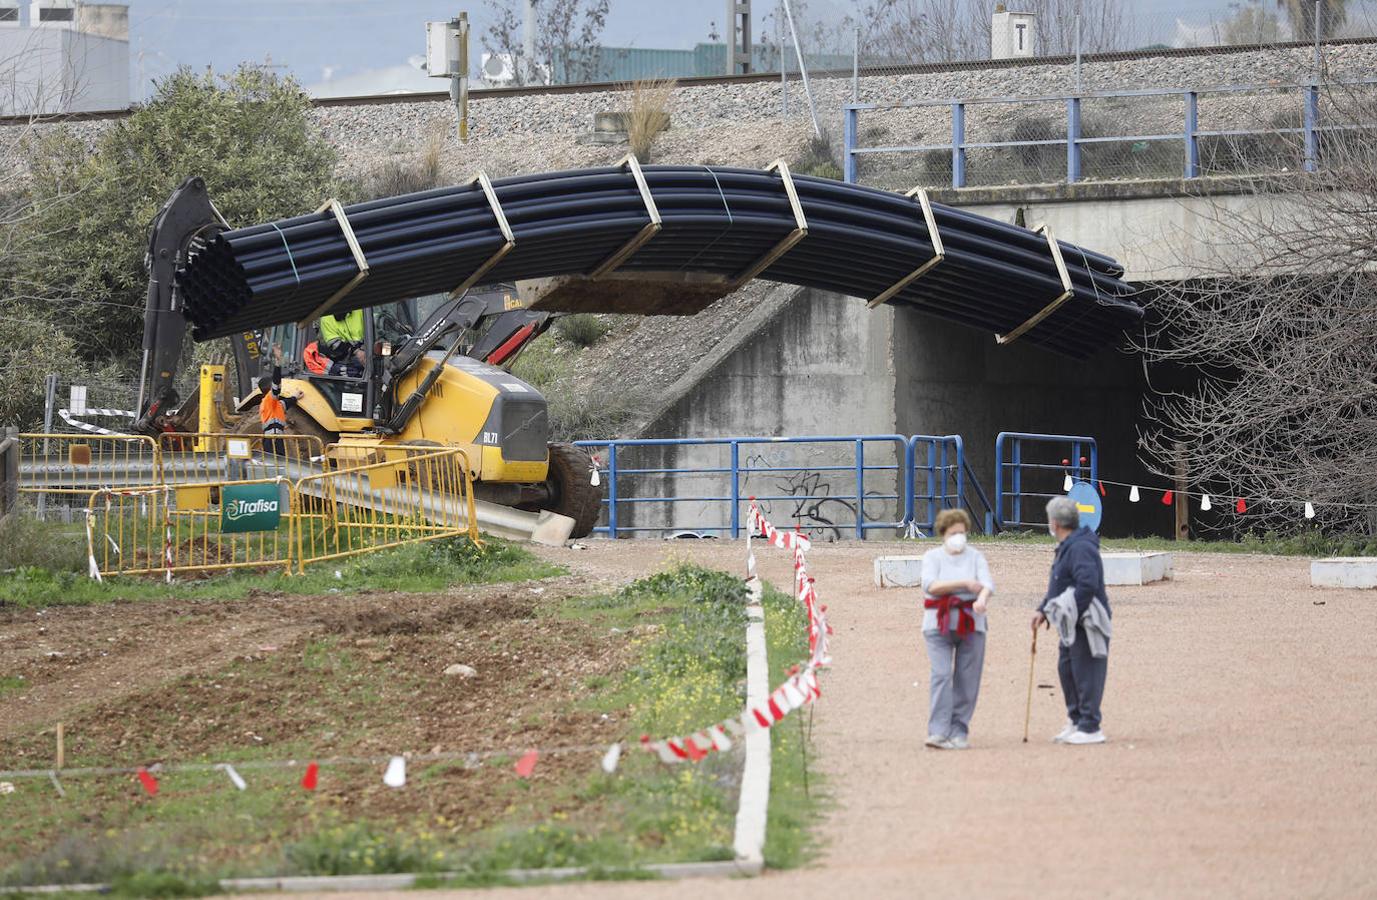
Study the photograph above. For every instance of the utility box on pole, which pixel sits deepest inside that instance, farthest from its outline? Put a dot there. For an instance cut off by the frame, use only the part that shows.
(447, 56)
(1011, 34)
(738, 34)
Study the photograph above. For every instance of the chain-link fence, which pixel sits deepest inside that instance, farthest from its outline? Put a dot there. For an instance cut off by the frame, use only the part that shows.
(898, 37)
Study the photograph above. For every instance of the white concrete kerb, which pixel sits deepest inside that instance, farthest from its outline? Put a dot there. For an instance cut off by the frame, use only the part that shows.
(1130, 568)
(898, 571)
(1344, 572)
(753, 809)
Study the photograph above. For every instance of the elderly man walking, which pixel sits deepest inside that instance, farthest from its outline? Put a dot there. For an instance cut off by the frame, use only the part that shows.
(1078, 606)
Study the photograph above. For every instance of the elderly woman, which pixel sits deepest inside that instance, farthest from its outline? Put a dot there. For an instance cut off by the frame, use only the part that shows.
(956, 592)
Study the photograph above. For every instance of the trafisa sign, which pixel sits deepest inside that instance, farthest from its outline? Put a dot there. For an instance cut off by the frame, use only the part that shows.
(250, 507)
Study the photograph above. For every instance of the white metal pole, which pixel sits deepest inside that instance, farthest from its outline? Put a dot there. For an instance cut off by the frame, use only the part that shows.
(856, 66)
(1078, 52)
(783, 60)
(1318, 60)
(528, 44)
(461, 80)
(803, 69)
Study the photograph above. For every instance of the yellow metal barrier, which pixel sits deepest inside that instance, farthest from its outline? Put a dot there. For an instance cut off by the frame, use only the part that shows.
(411, 494)
(81, 463)
(192, 528)
(223, 456)
(391, 495)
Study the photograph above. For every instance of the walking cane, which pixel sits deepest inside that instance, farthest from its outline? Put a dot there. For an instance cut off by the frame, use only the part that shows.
(1028, 714)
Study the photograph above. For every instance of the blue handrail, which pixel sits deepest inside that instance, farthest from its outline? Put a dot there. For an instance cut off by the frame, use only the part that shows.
(1069, 459)
(1188, 135)
(814, 494)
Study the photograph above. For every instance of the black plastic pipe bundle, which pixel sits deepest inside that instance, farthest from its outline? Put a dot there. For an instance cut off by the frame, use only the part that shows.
(719, 221)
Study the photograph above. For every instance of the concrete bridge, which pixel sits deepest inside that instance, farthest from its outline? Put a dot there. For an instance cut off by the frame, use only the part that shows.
(809, 362)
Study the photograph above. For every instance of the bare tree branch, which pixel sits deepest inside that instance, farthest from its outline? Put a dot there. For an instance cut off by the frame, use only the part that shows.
(1281, 330)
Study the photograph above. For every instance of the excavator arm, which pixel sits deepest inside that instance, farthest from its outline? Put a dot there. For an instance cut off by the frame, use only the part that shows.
(509, 330)
(186, 217)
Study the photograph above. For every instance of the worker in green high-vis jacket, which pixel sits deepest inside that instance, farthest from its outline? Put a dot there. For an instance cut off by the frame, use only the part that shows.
(341, 341)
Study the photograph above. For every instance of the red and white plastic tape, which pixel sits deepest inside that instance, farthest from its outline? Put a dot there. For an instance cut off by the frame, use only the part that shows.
(798, 690)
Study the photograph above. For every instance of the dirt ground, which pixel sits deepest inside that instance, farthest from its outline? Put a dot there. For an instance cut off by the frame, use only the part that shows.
(1242, 758)
(1243, 743)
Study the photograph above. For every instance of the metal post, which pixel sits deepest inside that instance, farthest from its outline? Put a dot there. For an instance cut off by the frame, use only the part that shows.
(961, 475)
(1073, 138)
(860, 489)
(1192, 169)
(736, 490)
(739, 55)
(849, 122)
(803, 69)
(1078, 49)
(49, 401)
(1312, 132)
(528, 42)
(932, 484)
(783, 60)
(612, 490)
(1319, 60)
(958, 145)
(1018, 481)
(1094, 463)
(856, 67)
(460, 81)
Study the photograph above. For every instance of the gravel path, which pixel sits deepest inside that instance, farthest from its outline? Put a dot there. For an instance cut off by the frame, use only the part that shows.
(1241, 758)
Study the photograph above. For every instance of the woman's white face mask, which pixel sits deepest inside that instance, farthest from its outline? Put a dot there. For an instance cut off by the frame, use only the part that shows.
(955, 543)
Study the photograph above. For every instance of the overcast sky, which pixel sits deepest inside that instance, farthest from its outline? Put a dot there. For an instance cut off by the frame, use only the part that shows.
(371, 46)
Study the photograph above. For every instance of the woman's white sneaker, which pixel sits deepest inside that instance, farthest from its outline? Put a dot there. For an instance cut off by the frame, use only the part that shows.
(1065, 733)
(1085, 737)
(937, 742)
(958, 742)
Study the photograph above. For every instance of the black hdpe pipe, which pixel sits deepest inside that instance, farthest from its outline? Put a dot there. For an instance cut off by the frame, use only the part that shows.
(719, 221)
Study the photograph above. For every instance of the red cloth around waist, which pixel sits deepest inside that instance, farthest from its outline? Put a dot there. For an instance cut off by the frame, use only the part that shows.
(965, 622)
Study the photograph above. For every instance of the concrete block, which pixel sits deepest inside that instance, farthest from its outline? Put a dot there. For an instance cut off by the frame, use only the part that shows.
(1344, 572)
(1137, 568)
(898, 571)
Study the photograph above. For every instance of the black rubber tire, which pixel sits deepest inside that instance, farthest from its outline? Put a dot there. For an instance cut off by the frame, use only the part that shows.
(572, 492)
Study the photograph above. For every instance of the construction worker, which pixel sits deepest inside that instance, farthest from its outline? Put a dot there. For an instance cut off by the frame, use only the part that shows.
(272, 412)
(341, 339)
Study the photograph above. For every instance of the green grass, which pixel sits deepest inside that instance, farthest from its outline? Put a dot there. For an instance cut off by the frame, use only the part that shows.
(1310, 543)
(796, 790)
(11, 683)
(28, 542)
(422, 567)
(680, 665)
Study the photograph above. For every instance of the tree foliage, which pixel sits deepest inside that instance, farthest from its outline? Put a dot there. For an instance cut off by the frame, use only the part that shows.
(79, 258)
(568, 39)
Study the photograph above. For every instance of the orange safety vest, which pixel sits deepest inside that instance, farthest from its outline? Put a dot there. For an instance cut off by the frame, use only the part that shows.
(272, 412)
(314, 360)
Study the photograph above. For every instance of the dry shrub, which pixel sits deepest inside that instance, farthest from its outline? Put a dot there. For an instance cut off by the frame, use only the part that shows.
(410, 174)
(649, 113)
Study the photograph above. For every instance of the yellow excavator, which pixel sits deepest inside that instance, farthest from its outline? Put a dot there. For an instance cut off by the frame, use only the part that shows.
(421, 371)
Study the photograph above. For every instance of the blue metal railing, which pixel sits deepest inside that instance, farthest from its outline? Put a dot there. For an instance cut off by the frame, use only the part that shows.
(848, 493)
(817, 495)
(851, 492)
(935, 467)
(1061, 455)
(1189, 135)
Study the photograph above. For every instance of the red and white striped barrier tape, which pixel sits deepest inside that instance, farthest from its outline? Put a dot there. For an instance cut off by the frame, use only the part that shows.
(797, 691)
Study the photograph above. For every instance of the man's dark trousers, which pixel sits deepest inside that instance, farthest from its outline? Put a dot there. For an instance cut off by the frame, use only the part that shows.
(1082, 682)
